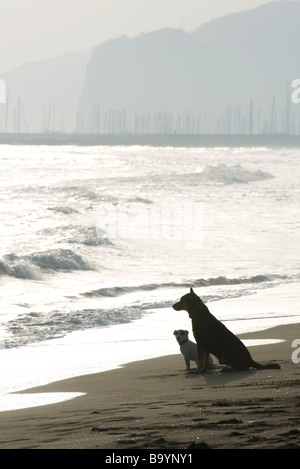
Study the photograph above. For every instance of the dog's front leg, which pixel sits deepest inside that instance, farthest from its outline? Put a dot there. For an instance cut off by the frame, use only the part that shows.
(202, 359)
(187, 362)
(205, 360)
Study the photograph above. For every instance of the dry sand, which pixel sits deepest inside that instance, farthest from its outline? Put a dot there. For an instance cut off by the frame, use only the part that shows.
(154, 404)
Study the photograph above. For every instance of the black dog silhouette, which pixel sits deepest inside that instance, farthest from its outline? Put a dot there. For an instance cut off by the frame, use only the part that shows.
(213, 337)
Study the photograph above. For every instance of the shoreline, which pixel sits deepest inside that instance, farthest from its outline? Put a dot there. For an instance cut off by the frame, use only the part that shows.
(154, 404)
(105, 349)
(173, 140)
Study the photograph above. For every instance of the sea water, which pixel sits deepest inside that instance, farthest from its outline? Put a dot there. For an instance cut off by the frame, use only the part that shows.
(98, 242)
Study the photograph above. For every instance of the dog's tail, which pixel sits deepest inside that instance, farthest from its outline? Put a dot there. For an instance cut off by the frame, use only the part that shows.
(270, 366)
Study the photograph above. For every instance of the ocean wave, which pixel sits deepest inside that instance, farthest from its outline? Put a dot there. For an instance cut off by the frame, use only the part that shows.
(195, 283)
(139, 200)
(229, 174)
(77, 234)
(77, 192)
(19, 268)
(220, 174)
(32, 266)
(90, 236)
(64, 209)
(60, 259)
(37, 327)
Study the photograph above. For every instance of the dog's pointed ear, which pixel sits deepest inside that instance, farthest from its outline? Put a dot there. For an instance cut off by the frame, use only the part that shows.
(191, 290)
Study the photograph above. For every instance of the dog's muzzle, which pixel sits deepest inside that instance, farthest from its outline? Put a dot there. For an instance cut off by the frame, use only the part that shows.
(178, 306)
(181, 336)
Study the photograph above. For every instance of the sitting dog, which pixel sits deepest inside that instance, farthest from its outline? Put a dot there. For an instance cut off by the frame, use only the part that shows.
(189, 349)
(213, 337)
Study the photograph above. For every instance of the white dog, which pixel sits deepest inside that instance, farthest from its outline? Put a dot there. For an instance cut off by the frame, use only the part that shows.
(189, 349)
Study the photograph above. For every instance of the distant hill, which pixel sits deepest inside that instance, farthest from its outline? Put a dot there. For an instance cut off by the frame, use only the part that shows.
(162, 71)
(165, 68)
(257, 50)
(43, 96)
(231, 75)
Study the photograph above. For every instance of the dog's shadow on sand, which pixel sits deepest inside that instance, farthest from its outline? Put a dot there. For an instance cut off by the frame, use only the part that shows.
(218, 376)
(215, 378)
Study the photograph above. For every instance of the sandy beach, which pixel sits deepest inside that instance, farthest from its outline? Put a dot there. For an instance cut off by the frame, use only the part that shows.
(155, 404)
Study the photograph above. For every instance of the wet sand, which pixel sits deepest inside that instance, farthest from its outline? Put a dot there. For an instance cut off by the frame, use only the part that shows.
(155, 404)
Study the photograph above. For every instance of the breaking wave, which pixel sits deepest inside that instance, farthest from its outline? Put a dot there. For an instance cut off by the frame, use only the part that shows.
(32, 266)
(227, 174)
(90, 236)
(63, 209)
(217, 281)
(36, 327)
(219, 174)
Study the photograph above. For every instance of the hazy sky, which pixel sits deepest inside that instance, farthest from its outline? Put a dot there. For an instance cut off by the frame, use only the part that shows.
(41, 29)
